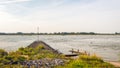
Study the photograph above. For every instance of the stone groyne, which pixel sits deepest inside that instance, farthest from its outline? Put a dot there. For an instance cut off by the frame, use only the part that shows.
(45, 45)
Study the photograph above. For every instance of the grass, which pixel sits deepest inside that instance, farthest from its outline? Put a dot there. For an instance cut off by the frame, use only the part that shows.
(85, 61)
(13, 59)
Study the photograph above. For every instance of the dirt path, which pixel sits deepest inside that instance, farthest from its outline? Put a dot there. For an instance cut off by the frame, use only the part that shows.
(116, 64)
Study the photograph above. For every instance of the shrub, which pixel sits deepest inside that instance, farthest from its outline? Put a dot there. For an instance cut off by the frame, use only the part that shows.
(3, 53)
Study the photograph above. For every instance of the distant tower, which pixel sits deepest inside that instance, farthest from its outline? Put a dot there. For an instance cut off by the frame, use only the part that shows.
(37, 33)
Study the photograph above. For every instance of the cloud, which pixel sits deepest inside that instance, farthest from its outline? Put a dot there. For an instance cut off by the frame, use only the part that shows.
(97, 16)
(61, 15)
(11, 1)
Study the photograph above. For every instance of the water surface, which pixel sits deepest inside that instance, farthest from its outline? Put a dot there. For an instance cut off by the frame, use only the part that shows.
(106, 46)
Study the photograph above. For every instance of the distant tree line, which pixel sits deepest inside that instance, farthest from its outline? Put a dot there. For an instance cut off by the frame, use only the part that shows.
(117, 33)
(60, 33)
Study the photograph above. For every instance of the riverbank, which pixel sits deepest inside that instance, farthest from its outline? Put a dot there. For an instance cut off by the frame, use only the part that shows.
(61, 33)
(116, 64)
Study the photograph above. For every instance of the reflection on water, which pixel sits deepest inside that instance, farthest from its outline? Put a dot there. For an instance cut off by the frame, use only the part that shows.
(106, 46)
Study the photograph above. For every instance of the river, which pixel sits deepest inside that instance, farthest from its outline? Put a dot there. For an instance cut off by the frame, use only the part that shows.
(105, 46)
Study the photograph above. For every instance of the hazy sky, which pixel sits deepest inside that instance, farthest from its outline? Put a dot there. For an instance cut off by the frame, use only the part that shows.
(60, 15)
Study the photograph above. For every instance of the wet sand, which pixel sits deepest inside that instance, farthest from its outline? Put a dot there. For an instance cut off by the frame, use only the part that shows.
(116, 64)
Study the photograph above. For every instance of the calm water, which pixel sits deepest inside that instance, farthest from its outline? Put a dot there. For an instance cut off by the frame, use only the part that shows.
(106, 46)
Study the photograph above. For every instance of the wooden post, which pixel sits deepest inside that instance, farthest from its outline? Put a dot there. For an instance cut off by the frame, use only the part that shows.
(78, 50)
(72, 50)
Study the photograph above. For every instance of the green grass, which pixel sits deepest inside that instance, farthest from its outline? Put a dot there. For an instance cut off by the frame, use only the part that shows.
(22, 54)
(85, 61)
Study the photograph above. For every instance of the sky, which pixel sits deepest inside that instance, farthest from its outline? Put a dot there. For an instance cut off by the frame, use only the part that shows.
(101, 16)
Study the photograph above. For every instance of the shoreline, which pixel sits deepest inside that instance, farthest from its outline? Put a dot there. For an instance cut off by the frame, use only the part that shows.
(116, 64)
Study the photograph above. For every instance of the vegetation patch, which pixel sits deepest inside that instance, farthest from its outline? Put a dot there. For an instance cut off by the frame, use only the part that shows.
(40, 57)
(85, 61)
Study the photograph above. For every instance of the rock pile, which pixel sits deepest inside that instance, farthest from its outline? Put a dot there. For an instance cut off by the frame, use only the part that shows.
(43, 63)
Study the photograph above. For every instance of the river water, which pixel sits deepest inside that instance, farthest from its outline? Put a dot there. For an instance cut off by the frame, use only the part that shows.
(105, 46)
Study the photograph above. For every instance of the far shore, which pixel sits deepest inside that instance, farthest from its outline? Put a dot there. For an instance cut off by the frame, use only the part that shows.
(60, 33)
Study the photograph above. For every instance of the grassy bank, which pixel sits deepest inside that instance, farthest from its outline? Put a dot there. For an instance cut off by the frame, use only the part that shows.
(32, 57)
(85, 61)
